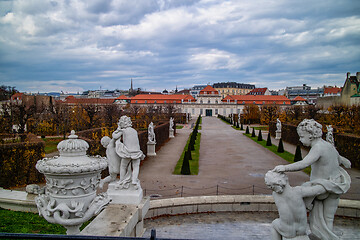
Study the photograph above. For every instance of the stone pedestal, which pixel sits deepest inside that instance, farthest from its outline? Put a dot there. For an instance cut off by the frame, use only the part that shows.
(151, 149)
(171, 133)
(278, 134)
(124, 196)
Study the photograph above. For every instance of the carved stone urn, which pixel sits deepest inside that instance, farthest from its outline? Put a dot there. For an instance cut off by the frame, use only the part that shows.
(71, 182)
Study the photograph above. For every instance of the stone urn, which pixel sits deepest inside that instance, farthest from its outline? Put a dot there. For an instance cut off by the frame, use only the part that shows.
(71, 182)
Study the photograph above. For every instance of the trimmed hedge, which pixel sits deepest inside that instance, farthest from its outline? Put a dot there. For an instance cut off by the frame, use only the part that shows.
(348, 145)
(17, 163)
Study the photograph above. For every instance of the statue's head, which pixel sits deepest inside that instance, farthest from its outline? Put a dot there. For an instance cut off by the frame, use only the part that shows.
(124, 122)
(105, 141)
(276, 181)
(309, 130)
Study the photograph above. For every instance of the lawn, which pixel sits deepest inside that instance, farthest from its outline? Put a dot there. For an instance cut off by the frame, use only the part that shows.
(194, 163)
(179, 126)
(285, 155)
(26, 222)
(51, 144)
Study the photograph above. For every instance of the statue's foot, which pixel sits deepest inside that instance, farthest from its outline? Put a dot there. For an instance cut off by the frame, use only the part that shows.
(136, 185)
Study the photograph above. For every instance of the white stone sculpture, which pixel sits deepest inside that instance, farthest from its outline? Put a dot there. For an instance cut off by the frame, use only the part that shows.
(151, 133)
(326, 172)
(171, 128)
(329, 134)
(127, 190)
(151, 141)
(292, 223)
(278, 129)
(114, 161)
(71, 183)
(34, 189)
(239, 115)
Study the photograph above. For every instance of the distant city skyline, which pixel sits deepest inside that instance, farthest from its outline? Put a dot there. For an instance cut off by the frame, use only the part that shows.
(79, 45)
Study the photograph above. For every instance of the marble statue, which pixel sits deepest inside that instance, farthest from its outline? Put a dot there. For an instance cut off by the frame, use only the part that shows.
(171, 127)
(292, 223)
(113, 159)
(239, 115)
(151, 133)
(326, 172)
(129, 151)
(278, 125)
(329, 134)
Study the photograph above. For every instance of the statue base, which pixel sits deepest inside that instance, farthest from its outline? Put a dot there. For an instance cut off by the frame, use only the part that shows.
(278, 135)
(131, 195)
(151, 149)
(171, 133)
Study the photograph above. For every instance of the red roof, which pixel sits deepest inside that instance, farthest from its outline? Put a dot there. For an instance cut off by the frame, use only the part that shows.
(17, 96)
(122, 97)
(162, 98)
(73, 100)
(257, 91)
(209, 90)
(332, 90)
(257, 99)
(299, 99)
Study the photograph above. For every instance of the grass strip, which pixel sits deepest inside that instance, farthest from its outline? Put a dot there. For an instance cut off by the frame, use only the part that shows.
(179, 126)
(51, 144)
(273, 148)
(194, 163)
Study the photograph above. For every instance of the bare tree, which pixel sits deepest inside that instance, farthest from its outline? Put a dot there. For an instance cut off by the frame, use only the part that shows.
(91, 111)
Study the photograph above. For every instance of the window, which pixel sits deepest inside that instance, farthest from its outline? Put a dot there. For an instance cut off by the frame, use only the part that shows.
(228, 101)
(208, 101)
(155, 101)
(216, 111)
(254, 102)
(165, 101)
(193, 111)
(174, 101)
(145, 101)
(238, 111)
(201, 111)
(216, 101)
(231, 110)
(201, 101)
(235, 101)
(189, 100)
(224, 112)
(135, 101)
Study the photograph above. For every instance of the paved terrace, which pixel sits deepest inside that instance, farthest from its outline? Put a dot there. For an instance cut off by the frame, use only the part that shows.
(230, 163)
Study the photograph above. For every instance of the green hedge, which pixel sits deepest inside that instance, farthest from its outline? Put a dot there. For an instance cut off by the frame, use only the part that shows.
(17, 163)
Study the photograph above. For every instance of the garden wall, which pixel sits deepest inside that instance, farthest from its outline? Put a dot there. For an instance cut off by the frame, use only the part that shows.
(348, 145)
(17, 163)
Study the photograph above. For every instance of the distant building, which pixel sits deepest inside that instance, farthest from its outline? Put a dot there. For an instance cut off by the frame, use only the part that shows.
(299, 101)
(233, 88)
(259, 91)
(195, 90)
(309, 94)
(332, 91)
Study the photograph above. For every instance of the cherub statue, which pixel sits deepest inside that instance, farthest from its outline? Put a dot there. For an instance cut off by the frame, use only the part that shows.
(289, 200)
(151, 133)
(114, 161)
(325, 163)
(129, 151)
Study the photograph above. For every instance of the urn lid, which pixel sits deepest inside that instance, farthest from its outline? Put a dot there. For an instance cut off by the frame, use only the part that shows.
(72, 146)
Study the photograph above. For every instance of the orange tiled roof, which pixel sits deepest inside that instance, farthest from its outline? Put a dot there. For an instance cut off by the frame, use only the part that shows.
(257, 99)
(17, 95)
(161, 98)
(73, 100)
(298, 98)
(209, 90)
(259, 91)
(122, 97)
(332, 90)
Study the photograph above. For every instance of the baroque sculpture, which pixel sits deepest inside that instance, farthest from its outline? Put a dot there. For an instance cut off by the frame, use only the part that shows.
(71, 182)
(151, 133)
(278, 129)
(327, 177)
(126, 155)
(329, 134)
(171, 128)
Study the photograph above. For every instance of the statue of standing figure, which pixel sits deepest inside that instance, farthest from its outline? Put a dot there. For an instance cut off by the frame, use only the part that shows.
(151, 133)
(278, 125)
(330, 179)
(171, 127)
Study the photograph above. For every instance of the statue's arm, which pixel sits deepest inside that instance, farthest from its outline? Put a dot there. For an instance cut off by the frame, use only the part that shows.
(312, 157)
(344, 161)
(117, 134)
(311, 191)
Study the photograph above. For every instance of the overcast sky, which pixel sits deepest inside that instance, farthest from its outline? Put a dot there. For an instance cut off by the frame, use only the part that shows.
(77, 45)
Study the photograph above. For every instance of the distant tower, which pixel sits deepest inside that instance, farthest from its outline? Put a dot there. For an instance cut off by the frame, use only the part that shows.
(131, 86)
(176, 90)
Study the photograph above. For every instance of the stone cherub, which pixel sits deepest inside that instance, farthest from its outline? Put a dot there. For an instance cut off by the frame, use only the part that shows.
(127, 148)
(292, 223)
(326, 172)
(278, 125)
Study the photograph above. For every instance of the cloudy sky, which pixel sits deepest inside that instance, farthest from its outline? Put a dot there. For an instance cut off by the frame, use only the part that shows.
(76, 45)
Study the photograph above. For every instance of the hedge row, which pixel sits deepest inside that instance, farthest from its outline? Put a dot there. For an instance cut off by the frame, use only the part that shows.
(17, 163)
(348, 145)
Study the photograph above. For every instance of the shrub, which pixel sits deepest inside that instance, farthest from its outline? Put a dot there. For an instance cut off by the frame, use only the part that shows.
(242, 127)
(253, 133)
(247, 130)
(297, 156)
(268, 141)
(185, 168)
(281, 146)
(260, 136)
